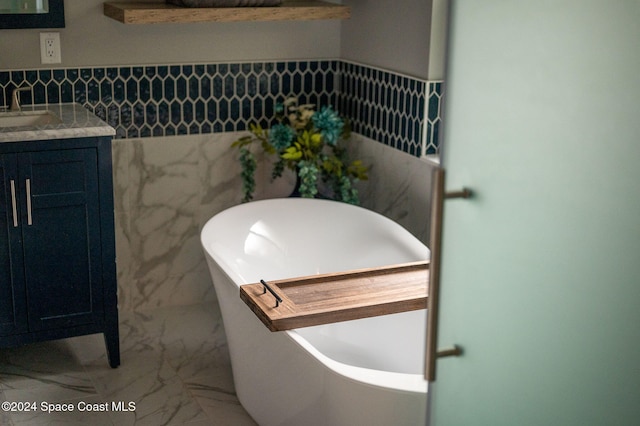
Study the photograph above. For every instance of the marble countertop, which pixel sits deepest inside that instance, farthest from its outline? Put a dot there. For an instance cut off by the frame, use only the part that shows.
(76, 122)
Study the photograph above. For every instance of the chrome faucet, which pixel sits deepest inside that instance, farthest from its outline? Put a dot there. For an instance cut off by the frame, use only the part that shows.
(15, 97)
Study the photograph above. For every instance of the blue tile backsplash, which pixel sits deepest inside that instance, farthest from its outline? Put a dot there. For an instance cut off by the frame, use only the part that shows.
(163, 100)
(390, 108)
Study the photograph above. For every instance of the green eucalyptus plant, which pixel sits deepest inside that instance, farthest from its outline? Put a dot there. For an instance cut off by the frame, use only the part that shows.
(307, 142)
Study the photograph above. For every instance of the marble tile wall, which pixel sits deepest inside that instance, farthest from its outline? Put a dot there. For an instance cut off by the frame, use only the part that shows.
(159, 188)
(398, 185)
(167, 188)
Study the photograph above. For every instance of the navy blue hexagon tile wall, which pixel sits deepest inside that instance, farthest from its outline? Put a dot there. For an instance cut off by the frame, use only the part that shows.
(164, 100)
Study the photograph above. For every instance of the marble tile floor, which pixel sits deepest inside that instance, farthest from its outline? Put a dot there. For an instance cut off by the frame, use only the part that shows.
(175, 370)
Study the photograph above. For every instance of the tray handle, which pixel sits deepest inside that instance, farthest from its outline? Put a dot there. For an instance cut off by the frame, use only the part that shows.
(266, 287)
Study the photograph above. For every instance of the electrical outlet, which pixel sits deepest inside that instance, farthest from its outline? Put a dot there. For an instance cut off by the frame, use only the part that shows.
(50, 48)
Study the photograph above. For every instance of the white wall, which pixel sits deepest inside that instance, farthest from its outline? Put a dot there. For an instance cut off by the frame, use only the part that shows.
(438, 39)
(90, 38)
(395, 35)
(406, 36)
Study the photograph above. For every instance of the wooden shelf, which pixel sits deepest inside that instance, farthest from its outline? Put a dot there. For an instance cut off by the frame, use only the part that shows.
(158, 13)
(328, 298)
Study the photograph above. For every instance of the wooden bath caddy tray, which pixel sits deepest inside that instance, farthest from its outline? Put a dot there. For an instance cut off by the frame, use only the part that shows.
(328, 298)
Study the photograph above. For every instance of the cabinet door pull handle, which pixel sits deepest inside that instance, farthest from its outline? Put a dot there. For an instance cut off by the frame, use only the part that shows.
(29, 217)
(14, 205)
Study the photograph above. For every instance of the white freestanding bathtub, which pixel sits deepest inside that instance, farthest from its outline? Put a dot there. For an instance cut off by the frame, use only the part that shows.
(362, 372)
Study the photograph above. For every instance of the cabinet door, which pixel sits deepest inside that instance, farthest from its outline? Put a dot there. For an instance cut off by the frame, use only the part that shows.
(12, 295)
(61, 232)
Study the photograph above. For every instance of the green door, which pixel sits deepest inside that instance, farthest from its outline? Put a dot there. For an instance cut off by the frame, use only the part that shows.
(540, 278)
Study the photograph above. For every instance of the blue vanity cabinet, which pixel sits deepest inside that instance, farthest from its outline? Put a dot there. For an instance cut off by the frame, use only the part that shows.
(57, 262)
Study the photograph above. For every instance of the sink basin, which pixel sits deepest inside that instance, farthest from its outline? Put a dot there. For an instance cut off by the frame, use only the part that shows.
(28, 118)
